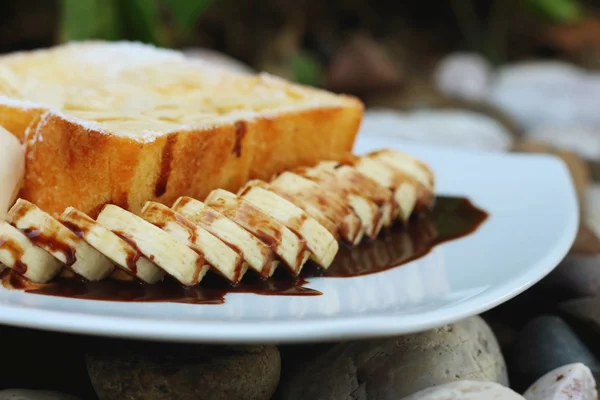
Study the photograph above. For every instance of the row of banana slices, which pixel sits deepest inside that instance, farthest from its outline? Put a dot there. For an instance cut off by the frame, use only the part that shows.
(298, 215)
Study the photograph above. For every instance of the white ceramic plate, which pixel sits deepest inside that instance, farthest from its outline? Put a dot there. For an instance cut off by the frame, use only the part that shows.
(532, 224)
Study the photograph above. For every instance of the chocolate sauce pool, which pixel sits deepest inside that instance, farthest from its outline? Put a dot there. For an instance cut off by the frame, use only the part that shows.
(450, 218)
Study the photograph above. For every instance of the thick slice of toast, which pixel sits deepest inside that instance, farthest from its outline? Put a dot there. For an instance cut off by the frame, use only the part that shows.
(125, 123)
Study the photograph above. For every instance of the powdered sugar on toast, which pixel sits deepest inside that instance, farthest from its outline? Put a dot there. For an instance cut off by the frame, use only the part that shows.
(142, 92)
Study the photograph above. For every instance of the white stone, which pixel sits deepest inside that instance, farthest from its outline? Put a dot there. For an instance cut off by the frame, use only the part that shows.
(465, 76)
(453, 128)
(581, 140)
(547, 93)
(537, 72)
(395, 367)
(570, 382)
(23, 394)
(466, 390)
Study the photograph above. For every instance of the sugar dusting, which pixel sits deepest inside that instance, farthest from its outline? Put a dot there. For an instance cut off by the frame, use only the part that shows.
(142, 92)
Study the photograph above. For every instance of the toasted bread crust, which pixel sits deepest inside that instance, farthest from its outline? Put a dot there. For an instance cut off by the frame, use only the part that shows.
(17, 120)
(303, 139)
(70, 165)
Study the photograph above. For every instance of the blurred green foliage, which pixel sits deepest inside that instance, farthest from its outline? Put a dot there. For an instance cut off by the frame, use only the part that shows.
(555, 10)
(161, 22)
(186, 12)
(306, 69)
(85, 19)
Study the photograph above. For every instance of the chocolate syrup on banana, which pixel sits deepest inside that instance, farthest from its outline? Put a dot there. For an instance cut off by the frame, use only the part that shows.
(450, 218)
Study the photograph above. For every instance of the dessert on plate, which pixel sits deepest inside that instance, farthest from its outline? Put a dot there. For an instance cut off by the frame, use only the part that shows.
(124, 161)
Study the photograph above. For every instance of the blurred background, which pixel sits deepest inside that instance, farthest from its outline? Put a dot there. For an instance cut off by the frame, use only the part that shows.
(357, 46)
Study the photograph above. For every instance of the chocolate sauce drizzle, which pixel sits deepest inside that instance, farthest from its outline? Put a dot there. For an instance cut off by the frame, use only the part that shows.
(449, 219)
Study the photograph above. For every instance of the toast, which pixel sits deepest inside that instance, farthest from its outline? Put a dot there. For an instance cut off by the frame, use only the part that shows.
(125, 123)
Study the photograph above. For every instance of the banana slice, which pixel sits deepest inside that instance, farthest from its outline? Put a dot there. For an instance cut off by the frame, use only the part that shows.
(306, 192)
(404, 187)
(120, 274)
(322, 245)
(306, 206)
(177, 259)
(290, 248)
(258, 255)
(19, 254)
(12, 169)
(219, 255)
(112, 246)
(366, 209)
(381, 195)
(49, 234)
(406, 165)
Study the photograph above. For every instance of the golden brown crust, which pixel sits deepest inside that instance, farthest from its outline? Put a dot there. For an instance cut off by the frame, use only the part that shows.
(304, 138)
(69, 165)
(16, 120)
